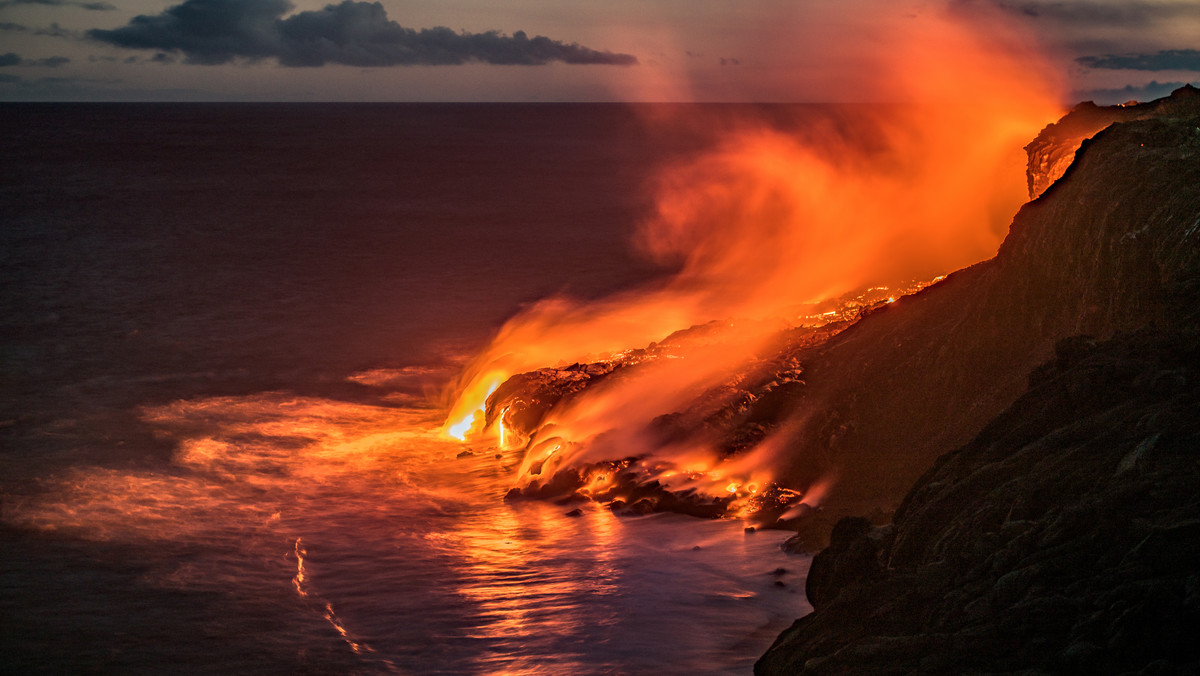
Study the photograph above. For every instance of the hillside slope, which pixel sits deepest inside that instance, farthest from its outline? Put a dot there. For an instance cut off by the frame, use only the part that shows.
(1063, 537)
(1104, 250)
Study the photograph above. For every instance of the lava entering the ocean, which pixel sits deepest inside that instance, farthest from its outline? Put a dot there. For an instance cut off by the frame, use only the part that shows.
(638, 396)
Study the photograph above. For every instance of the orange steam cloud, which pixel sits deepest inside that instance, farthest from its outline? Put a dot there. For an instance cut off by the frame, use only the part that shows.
(775, 217)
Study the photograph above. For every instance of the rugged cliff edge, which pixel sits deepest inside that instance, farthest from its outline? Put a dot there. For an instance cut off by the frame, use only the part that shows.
(879, 396)
(1061, 537)
(1099, 252)
(1064, 539)
(1053, 150)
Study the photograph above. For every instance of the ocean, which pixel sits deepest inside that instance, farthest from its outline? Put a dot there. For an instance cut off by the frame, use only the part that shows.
(227, 331)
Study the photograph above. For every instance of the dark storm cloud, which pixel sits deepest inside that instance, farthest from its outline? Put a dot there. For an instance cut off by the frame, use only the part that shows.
(1089, 12)
(207, 31)
(97, 6)
(10, 59)
(349, 33)
(1171, 59)
(360, 34)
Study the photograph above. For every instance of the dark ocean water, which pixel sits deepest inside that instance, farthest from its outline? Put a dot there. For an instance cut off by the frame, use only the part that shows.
(222, 333)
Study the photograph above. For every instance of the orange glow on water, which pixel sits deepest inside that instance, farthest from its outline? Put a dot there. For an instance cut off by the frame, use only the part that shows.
(301, 577)
(240, 460)
(340, 628)
(337, 518)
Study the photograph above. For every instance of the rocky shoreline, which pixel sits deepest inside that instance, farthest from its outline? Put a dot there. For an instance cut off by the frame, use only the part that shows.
(889, 388)
(1061, 535)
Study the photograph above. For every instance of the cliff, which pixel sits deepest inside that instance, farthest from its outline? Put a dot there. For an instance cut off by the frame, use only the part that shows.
(1052, 151)
(879, 396)
(1060, 537)
(1065, 538)
(1100, 252)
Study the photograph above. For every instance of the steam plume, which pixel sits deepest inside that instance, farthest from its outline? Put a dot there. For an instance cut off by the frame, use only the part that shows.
(768, 220)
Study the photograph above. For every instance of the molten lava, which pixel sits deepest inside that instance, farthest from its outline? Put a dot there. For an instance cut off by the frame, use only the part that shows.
(468, 413)
(765, 226)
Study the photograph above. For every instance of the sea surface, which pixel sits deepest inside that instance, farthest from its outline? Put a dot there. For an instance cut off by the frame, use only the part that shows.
(226, 332)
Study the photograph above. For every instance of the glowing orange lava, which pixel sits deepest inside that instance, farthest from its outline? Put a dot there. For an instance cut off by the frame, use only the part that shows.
(770, 220)
(467, 415)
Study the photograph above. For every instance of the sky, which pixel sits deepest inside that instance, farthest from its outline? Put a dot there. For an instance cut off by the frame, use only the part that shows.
(1108, 51)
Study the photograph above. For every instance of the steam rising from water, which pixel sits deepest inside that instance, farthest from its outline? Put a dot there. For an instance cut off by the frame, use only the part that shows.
(773, 217)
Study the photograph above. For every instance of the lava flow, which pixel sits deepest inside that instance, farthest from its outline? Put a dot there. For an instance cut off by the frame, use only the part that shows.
(765, 226)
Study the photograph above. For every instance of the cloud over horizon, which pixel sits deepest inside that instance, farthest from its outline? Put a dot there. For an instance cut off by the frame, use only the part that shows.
(1170, 59)
(1091, 12)
(212, 32)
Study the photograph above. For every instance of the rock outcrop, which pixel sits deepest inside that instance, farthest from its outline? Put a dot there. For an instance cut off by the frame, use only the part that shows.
(1061, 537)
(1108, 248)
(738, 413)
(1064, 539)
(1053, 150)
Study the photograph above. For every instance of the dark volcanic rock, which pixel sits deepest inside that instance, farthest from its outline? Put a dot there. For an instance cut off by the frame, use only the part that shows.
(1053, 150)
(851, 558)
(769, 379)
(1064, 539)
(526, 398)
(1111, 247)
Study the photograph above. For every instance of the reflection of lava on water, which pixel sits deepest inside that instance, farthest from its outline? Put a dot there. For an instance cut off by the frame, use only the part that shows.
(346, 521)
